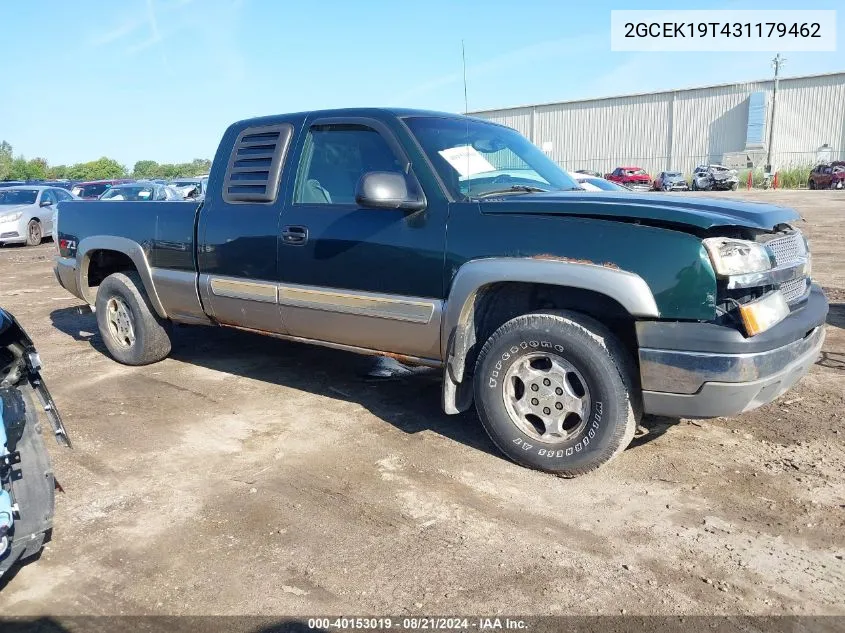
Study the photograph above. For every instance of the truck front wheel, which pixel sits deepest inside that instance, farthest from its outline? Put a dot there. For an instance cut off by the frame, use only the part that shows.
(132, 331)
(554, 392)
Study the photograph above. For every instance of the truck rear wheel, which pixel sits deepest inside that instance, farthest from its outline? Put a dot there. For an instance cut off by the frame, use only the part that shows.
(132, 331)
(555, 391)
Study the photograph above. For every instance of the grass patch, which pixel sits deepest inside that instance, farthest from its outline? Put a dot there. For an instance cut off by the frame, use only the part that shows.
(788, 178)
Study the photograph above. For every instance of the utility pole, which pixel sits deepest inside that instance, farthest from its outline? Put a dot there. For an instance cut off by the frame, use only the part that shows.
(777, 62)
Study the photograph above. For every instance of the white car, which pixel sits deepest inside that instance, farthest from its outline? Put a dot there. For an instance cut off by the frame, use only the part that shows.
(27, 213)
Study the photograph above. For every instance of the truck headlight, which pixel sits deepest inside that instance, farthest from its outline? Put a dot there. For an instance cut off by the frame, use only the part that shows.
(11, 217)
(737, 257)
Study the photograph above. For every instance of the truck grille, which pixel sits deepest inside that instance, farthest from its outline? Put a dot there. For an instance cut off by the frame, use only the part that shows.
(787, 249)
(795, 289)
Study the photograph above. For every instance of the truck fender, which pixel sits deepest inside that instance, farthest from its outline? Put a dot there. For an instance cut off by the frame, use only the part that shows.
(469, 283)
(128, 247)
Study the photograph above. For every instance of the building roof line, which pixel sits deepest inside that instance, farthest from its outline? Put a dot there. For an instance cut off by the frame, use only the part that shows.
(655, 92)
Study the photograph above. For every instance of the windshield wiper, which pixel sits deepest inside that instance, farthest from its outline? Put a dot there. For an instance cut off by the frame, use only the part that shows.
(512, 189)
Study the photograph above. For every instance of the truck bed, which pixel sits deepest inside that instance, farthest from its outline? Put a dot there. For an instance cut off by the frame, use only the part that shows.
(171, 225)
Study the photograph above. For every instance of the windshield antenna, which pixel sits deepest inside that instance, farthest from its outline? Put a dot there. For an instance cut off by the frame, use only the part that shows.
(464, 58)
(466, 110)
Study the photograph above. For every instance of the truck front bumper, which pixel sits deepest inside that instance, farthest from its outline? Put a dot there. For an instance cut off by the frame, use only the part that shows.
(704, 370)
(65, 270)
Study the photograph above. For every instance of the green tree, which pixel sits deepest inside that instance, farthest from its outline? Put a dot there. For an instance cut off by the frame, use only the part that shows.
(37, 169)
(5, 160)
(146, 169)
(200, 166)
(168, 171)
(19, 169)
(57, 172)
(101, 169)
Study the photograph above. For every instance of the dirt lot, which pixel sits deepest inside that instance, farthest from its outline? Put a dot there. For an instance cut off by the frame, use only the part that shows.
(250, 475)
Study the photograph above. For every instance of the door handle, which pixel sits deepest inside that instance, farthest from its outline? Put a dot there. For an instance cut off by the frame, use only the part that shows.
(295, 235)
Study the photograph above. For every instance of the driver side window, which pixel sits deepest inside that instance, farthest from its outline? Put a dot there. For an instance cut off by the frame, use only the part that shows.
(333, 160)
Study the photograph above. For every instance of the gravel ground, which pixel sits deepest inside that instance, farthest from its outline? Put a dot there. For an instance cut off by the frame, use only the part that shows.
(247, 475)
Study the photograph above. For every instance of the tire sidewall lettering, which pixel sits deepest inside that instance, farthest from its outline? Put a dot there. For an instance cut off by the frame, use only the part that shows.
(552, 452)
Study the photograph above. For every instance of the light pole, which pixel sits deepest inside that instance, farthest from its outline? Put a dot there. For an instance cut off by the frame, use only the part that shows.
(777, 62)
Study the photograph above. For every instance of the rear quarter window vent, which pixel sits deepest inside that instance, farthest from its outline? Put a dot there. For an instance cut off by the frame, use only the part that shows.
(255, 165)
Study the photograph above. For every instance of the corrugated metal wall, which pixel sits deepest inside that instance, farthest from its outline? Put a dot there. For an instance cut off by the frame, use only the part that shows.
(683, 128)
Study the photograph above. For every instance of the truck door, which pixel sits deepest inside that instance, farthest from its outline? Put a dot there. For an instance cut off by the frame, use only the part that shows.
(367, 278)
(237, 234)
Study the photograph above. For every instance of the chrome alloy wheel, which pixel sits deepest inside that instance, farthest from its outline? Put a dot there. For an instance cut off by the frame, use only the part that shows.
(546, 397)
(121, 321)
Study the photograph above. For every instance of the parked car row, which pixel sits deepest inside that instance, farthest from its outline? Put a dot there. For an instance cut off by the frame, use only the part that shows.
(704, 178)
(27, 212)
(139, 190)
(93, 189)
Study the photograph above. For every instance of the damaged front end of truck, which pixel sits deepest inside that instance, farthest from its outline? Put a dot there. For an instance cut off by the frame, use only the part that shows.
(27, 484)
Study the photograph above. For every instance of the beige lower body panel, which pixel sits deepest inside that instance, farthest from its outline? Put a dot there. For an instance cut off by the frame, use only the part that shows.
(390, 335)
(177, 291)
(408, 326)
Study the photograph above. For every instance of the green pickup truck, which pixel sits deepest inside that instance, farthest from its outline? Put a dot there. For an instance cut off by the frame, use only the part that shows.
(453, 242)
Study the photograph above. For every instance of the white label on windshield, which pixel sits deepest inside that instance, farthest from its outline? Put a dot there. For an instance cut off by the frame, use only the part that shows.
(144, 194)
(466, 160)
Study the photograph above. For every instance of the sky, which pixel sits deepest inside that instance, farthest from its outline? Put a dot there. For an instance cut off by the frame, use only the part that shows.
(161, 79)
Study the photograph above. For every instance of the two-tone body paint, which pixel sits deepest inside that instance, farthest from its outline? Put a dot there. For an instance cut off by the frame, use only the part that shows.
(407, 260)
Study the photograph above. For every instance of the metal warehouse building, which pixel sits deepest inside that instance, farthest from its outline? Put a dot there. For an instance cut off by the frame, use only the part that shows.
(679, 129)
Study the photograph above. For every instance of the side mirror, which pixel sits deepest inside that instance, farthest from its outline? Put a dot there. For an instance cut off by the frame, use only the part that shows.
(46, 203)
(387, 190)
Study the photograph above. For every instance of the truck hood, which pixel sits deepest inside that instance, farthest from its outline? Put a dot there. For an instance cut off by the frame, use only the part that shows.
(703, 213)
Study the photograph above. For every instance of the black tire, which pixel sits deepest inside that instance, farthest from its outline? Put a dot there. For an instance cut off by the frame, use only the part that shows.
(694, 186)
(811, 185)
(32, 489)
(733, 186)
(121, 298)
(34, 233)
(597, 358)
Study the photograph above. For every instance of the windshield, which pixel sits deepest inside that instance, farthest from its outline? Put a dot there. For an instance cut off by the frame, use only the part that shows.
(673, 174)
(128, 193)
(636, 171)
(184, 183)
(604, 185)
(474, 158)
(18, 196)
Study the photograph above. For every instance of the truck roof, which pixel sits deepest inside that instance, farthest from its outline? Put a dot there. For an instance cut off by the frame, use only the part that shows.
(372, 112)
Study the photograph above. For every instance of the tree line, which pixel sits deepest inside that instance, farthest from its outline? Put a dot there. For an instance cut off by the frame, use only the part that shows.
(19, 168)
